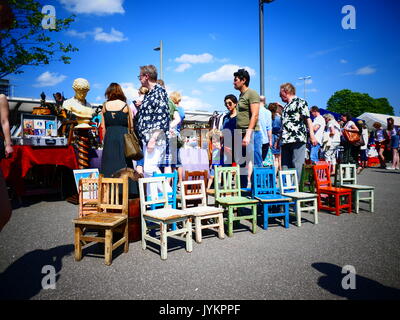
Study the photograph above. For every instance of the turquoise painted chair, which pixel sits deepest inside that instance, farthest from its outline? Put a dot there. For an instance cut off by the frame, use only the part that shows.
(265, 191)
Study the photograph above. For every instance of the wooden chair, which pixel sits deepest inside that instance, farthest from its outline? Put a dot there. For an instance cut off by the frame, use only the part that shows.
(347, 177)
(195, 190)
(195, 176)
(162, 217)
(112, 217)
(228, 195)
(88, 196)
(335, 195)
(264, 190)
(303, 201)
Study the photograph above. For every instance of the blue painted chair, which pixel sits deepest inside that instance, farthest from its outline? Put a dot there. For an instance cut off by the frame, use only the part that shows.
(171, 195)
(264, 190)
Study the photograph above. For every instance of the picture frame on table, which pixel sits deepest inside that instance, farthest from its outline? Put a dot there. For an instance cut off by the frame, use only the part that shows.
(85, 173)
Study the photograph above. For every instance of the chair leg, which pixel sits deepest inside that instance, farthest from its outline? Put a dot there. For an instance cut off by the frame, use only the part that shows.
(163, 238)
(315, 211)
(126, 236)
(189, 240)
(144, 232)
(298, 213)
(357, 201)
(265, 215)
(254, 220)
(337, 204)
(197, 222)
(286, 215)
(108, 247)
(221, 233)
(78, 243)
(371, 202)
(350, 201)
(230, 221)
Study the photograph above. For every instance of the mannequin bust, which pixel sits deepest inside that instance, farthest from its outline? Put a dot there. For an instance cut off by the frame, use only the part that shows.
(78, 104)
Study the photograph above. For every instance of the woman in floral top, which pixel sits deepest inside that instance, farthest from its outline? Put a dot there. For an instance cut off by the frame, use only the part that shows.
(153, 121)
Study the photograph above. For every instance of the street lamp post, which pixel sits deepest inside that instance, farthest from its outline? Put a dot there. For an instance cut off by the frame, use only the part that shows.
(305, 80)
(261, 12)
(160, 48)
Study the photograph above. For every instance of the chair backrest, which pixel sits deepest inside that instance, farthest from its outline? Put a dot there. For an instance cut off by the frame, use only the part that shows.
(322, 176)
(159, 199)
(227, 182)
(196, 175)
(264, 181)
(174, 185)
(113, 195)
(347, 174)
(88, 190)
(288, 181)
(193, 190)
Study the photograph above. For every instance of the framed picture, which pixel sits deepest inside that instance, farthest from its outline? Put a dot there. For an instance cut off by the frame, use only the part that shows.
(85, 173)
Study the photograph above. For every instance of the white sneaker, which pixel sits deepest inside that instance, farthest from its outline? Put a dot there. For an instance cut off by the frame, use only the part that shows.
(390, 168)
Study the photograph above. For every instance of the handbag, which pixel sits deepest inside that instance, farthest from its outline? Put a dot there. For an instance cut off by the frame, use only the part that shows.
(360, 142)
(352, 137)
(132, 146)
(269, 159)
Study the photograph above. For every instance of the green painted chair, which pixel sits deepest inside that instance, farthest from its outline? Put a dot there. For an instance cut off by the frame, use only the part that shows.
(228, 195)
(307, 183)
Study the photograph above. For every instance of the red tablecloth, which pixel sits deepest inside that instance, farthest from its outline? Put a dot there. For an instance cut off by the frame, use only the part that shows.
(23, 158)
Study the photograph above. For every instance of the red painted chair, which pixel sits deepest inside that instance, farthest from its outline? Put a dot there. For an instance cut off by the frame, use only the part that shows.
(333, 195)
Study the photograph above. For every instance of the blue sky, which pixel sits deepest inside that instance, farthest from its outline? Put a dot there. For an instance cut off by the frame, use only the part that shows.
(205, 41)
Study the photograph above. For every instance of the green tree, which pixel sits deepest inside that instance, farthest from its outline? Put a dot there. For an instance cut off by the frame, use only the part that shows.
(24, 41)
(357, 103)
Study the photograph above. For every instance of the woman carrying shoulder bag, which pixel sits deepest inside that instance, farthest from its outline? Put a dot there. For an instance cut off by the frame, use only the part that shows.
(350, 152)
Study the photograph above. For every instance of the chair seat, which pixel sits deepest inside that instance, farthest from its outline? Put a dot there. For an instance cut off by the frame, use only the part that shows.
(300, 195)
(358, 186)
(334, 189)
(236, 200)
(203, 210)
(273, 198)
(102, 219)
(166, 214)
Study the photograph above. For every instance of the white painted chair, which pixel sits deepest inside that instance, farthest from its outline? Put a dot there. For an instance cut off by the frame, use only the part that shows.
(195, 190)
(161, 218)
(346, 176)
(303, 201)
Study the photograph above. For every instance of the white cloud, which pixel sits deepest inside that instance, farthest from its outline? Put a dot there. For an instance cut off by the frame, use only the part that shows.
(97, 7)
(362, 71)
(343, 61)
(213, 36)
(130, 91)
(196, 92)
(99, 35)
(365, 70)
(49, 79)
(225, 73)
(194, 104)
(193, 58)
(182, 67)
(113, 36)
(312, 90)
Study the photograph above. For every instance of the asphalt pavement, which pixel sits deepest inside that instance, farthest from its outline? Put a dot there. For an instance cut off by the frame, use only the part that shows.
(308, 262)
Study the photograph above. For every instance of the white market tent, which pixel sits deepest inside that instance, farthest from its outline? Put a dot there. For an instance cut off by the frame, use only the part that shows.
(370, 118)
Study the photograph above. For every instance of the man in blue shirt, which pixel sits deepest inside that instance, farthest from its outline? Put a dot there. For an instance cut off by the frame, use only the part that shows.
(265, 123)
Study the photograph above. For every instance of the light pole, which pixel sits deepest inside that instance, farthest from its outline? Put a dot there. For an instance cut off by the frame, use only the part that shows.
(160, 48)
(305, 80)
(261, 11)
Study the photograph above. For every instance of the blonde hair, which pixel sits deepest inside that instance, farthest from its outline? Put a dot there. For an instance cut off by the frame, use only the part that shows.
(175, 97)
(143, 90)
(288, 88)
(81, 84)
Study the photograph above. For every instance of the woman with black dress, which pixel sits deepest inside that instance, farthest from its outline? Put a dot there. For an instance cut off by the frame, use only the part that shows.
(114, 124)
